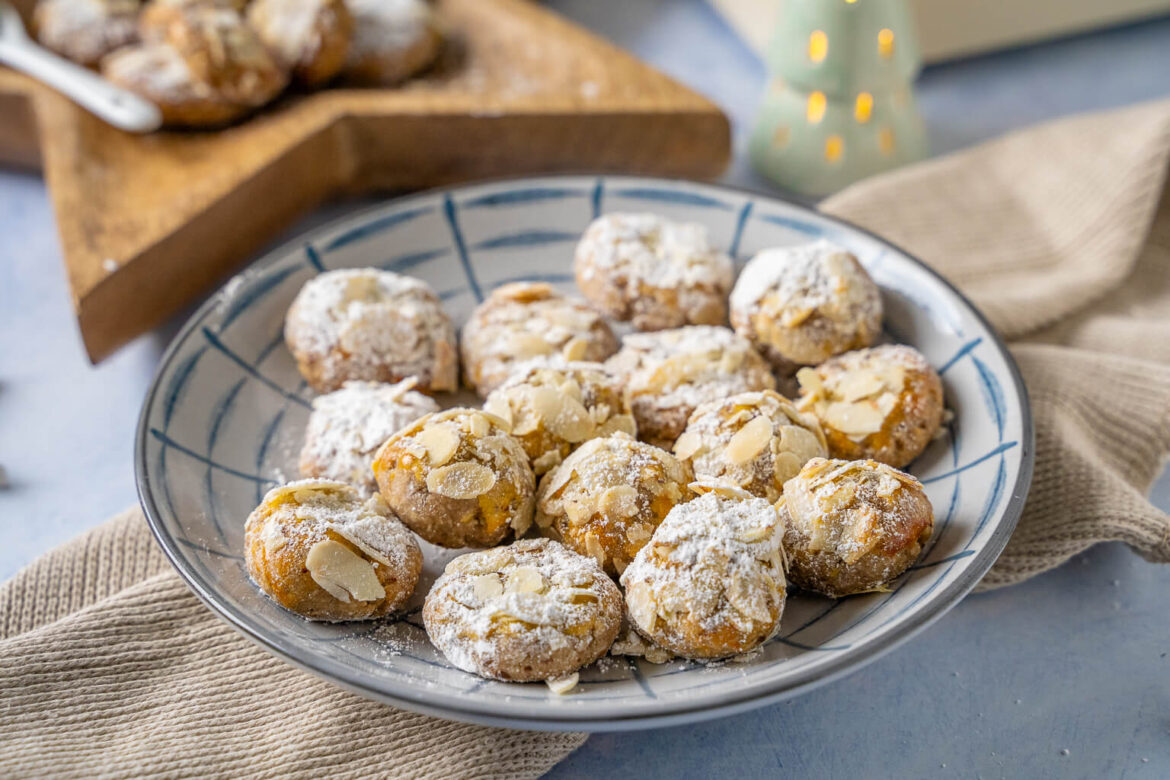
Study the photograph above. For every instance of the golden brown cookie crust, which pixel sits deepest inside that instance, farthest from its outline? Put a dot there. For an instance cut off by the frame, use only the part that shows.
(533, 610)
(757, 440)
(367, 324)
(523, 321)
(308, 38)
(669, 373)
(884, 403)
(652, 272)
(554, 408)
(319, 549)
(458, 479)
(801, 305)
(853, 526)
(710, 584)
(607, 498)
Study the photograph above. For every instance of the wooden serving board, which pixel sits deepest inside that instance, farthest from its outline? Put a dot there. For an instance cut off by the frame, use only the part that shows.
(148, 223)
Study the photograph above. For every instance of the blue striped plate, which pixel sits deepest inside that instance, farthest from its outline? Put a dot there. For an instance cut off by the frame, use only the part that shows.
(223, 420)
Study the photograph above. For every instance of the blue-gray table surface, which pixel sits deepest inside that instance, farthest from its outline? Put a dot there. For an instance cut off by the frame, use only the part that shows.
(1067, 675)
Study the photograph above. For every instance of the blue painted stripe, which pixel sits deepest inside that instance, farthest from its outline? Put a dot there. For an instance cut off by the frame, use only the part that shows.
(819, 648)
(209, 550)
(460, 247)
(963, 350)
(527, 195)
(242, 300)
(815, 619)
(264, 353)
(992, 394)
(265, 443)
(169, 442)
(597, 196)
(549, 278)
(313, 259)
(446, 295)
(175, 388)
(527, 238)
(948, 559)
(660, 195)
(1001, 448)
(992, 499)
(376, 226)
(641, 679)
(218, 415)
(219, 345)
(793, 224)
(408, 261)
(740, 224)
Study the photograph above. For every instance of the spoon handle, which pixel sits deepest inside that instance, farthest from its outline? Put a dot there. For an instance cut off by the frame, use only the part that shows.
(121, 108)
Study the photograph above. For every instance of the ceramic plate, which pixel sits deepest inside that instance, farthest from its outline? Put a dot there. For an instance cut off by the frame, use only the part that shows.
(223, 420)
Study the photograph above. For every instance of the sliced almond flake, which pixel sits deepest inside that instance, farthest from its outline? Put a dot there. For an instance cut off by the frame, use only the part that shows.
(854, 419)
(639, 533)
(618, 502)
(785, 466)
(524, 579)
(487, 586)
(524, 345)
(528, 423)
(687, 445)
(856, 385)
(575, 349)
(619, 423)
(547, 461)
(274, 540)
(497, 404)
(465, 479)
(719, 488)
(499, 422)
(577, 513)
(570, 388)
(562, 685)
(801, 441)
(572, 423)
(557, 479)
(749, 441)
(792, 317)
(478, 425)
(640, 605)
(754, 533)
(521, 522)
(343, 573)
(593, 547)
(361, 544)
(748, 601)
(810, 383)
(441, 442)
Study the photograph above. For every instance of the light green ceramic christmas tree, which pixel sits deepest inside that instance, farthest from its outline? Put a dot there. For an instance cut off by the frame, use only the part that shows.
(839, 106)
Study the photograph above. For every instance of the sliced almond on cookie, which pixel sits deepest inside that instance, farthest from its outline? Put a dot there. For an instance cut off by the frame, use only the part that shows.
(342, 573)
(462, 480)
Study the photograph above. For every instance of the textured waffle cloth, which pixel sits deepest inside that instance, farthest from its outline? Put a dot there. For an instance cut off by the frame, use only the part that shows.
(109, 667)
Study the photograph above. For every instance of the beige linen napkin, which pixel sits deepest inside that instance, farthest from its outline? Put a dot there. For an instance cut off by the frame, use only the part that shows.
(110, 667)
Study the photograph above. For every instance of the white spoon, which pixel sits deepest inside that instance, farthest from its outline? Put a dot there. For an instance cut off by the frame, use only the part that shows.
(119, 107)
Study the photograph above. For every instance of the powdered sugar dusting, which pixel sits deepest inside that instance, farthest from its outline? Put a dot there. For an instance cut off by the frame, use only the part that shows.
(348, 425)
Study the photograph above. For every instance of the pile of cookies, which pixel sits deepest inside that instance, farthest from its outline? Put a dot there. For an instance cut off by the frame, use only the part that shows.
(209, 62)
(651, 495)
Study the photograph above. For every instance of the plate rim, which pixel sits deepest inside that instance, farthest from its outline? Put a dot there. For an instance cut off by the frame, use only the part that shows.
(482, 713)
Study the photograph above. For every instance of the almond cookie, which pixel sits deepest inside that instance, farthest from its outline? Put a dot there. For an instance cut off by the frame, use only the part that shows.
(802, 305)
(348, 426)
(710, 584)
(458, 479)
(362, 323)
(392, 40)
(755, 440)
(308, 38)
(852, 526)
(157, 72)
(86, 30)
(884, 403)
(553, 409)
(220, 50)
(668, 374)
(607, 498)
(533, 610)
(526, 320)
(321, 550)
(652, 272)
